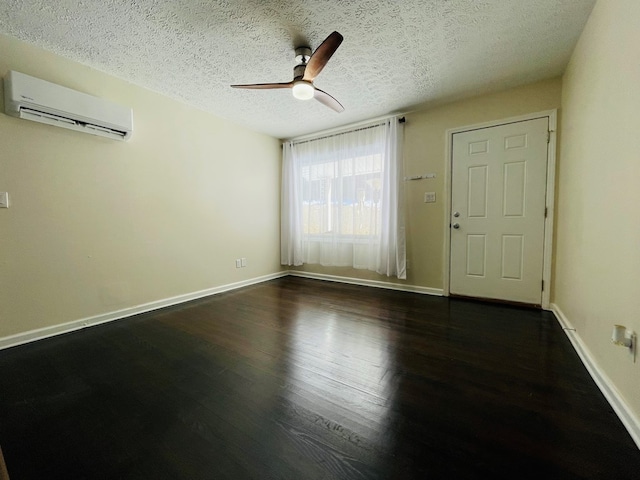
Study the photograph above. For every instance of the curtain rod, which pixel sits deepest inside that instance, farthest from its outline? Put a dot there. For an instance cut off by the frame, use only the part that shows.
(400, 120)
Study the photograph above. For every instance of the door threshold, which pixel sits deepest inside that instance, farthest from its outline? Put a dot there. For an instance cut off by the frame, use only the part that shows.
(499, 301)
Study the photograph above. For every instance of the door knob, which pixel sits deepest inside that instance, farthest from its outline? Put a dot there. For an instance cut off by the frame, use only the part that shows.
(456, 214)
(456, 226)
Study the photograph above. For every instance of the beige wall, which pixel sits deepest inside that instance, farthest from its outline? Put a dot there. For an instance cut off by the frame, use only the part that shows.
(597, 267)
(425, 141)
(97, 225)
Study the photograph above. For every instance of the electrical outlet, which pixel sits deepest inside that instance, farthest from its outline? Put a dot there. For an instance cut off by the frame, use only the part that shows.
(238, 263)
(430, 197)
(4, 200)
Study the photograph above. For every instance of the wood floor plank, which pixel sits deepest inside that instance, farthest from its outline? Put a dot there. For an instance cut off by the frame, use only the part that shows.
(304, 379)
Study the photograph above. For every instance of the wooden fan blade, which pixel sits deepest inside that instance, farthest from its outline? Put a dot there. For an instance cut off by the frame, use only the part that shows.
(321, 56)
(328, 100)
(265, 86)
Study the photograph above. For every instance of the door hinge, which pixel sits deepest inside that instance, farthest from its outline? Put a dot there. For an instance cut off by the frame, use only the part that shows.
(546, 211)
(548, 136)
(543, 285)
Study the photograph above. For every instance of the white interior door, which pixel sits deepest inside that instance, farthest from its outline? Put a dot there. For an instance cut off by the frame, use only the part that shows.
(498, 211)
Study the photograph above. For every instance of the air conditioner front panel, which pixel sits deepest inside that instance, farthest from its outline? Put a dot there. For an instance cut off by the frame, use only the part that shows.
(23, 92)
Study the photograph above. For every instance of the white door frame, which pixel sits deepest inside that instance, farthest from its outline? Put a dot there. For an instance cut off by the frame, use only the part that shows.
(549, 199)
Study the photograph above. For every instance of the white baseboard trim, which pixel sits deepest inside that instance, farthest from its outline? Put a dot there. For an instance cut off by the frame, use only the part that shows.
(368, 283)
(604, 383)
(41, 333)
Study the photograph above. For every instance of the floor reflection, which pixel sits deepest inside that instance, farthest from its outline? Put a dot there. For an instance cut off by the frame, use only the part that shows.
(342, 371)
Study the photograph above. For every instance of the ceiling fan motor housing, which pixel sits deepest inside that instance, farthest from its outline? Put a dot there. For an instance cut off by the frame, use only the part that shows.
(303, 54)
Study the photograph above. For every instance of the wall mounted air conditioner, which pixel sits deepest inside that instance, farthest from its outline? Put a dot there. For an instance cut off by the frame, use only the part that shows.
(34, 99)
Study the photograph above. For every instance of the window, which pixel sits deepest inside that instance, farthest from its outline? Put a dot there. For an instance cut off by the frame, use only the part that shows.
(342, 197)
(341, 200)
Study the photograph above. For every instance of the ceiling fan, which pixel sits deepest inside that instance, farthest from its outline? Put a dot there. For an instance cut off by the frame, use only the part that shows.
(304, 73)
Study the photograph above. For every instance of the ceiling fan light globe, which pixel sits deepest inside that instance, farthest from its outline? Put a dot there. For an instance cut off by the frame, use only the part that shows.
(303, 90)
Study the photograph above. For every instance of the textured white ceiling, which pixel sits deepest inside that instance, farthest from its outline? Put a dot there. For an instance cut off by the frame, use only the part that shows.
(396, 55)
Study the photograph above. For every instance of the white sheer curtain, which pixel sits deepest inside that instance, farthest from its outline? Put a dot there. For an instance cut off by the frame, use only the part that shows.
(342, 200)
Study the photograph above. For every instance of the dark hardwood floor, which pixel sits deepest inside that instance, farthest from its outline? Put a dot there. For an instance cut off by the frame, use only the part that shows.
(303, 379)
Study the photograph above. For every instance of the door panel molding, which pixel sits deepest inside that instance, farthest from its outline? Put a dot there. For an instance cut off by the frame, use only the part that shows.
(551, 115)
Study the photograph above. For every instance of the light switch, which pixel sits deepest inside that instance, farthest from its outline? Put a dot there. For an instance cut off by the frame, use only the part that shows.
(4, 200)
(243, 262)
(429, 197)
